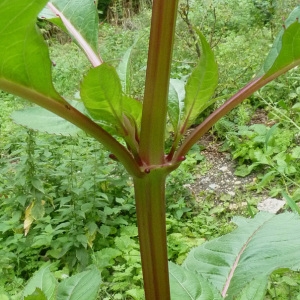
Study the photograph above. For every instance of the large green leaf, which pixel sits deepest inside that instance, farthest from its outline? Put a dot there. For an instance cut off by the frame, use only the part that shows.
(255, 249)
(44, 280)
(201, 84)
(82, 286)
(42, 120)
(186, 285)
(80, 19)
(285, 52)
(25, 67)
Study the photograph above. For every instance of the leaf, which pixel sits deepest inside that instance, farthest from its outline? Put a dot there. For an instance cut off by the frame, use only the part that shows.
(28, 218)
(25, 67)
(42, 120)
(124, 71)
(201, 84)
(255, 249)
(176, 102)
(186, 285)
(82, 286)
(36, 295)
(44, 280)
(254, 290)
(101, 93)
(291, 203)
(80, 19)
(285, 52)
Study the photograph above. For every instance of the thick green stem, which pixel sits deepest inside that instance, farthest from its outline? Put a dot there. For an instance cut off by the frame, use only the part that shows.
(152, 140)
(150, 206)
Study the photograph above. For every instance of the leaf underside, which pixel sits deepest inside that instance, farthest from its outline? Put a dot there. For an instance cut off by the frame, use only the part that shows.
(255, 249)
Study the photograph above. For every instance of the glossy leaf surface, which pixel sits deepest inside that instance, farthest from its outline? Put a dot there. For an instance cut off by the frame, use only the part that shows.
(25, 66)
(101, 93)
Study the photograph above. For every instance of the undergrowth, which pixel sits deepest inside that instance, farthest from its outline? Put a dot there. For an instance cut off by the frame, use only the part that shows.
(50, 213)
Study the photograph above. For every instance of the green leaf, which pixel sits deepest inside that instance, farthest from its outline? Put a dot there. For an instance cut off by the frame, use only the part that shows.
(25, 67)
(82, 286)
(176, 102)
(80, 19)
(36, 295)
(124, 70)
(255, 289)
(44, 280)
(42, 120)
(201, 84)
(285, 52)
(255, 249)
(101, 93)
(186, 285)
(291, 203)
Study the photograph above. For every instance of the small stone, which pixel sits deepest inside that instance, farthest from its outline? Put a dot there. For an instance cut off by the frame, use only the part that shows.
(223, 169)
(271, 205)
(213, 186)
(238, 182)
(231, 193)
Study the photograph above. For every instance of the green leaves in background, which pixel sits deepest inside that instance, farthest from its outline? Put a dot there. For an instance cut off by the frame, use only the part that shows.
(176, 102)
(83, 286)
(43, 280)
(201, 84)
(101, 93)
(25, 67)
(42, 120)
(285, 53)
(80, 19)
(245, 258)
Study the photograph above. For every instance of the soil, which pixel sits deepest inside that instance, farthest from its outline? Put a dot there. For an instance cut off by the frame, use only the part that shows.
(219, 178)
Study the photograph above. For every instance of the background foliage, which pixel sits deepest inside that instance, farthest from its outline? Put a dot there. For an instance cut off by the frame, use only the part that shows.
(50, 213)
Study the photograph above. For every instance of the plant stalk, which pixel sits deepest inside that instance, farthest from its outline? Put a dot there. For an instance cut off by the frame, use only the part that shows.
(152, 142)
(150, 208)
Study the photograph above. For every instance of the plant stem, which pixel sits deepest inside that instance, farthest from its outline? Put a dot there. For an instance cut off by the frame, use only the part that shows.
(150, 208)
(152, 142)
(69, 113)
